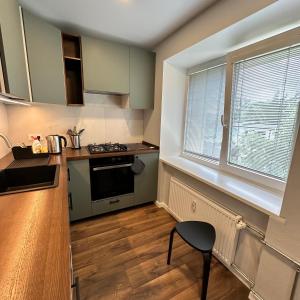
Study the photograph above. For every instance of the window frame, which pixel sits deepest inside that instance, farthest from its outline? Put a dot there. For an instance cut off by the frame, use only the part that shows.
(194, 70)
(269, 45)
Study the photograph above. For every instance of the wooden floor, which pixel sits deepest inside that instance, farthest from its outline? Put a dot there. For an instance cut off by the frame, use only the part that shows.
(123, 256)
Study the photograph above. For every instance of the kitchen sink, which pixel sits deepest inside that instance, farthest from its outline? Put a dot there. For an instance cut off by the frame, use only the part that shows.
(16, 180)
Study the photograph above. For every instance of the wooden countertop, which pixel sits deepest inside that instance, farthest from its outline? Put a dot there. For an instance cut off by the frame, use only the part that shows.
(132, 149)
(35, 234)
(34, 241)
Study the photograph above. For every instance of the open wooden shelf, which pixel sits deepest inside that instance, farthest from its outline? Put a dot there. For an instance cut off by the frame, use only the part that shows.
(71, 58)
(71, 45)
(73, 69)
(73, 81)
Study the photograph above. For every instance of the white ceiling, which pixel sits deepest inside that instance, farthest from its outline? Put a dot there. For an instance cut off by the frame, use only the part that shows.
(140, 22)
(278, 17)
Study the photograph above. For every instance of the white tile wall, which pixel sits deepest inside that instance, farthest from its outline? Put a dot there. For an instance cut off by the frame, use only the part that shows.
(103, 118)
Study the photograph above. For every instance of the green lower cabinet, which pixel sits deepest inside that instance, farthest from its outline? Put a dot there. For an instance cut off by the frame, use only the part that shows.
(81, 206)
(112, 204)
(145, 188)
(79, 190)
(145, 184)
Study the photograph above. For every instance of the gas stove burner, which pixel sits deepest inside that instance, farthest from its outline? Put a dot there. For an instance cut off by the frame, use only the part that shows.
(104, 148)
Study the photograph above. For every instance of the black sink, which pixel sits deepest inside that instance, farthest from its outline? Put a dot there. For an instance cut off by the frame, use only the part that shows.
(16, 180)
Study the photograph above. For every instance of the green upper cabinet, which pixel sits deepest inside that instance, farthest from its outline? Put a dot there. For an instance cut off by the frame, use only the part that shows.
(105, 66)
(13, 49)
(45, 60)
(142, 65)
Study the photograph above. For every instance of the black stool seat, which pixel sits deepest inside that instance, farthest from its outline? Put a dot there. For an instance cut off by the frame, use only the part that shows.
(199, 235)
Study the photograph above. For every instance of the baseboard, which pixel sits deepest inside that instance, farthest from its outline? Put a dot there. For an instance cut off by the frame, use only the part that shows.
(254, 296)
(161, 205)
(240, 276)
(165, 206)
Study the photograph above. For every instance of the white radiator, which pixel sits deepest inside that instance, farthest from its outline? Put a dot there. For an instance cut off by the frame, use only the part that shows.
(186, 204)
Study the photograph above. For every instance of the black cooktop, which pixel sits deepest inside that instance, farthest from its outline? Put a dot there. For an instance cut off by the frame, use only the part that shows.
(104, 148)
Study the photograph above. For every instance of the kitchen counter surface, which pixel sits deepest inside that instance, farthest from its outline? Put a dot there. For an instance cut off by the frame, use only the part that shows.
(35, 234)
(34, 241)
(132, 149)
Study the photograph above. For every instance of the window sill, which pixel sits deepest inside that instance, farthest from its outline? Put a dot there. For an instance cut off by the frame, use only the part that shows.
(262, 199)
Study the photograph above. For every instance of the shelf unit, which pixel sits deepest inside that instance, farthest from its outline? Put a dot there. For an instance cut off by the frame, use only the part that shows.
(73, 69)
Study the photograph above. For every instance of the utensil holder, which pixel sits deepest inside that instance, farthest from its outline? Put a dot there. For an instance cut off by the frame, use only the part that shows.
(75, 141)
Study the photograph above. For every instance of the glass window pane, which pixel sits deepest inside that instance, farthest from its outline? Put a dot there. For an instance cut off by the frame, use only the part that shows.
(203, 135)
(265, 101)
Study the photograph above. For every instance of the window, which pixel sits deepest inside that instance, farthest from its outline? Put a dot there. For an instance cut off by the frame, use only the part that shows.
(262, 113)
(203, 135)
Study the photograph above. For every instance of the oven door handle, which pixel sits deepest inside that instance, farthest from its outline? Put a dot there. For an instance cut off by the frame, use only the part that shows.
(111, 167)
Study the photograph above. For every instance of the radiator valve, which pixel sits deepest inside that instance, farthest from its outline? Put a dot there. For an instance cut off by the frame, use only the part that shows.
(241, 225)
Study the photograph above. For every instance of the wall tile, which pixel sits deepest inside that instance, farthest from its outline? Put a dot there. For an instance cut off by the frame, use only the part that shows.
(102, 117)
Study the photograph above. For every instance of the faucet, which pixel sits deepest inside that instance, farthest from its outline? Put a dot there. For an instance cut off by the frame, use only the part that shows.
(6, 140)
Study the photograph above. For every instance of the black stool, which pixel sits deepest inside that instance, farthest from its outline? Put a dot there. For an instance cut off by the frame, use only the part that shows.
(201, 236)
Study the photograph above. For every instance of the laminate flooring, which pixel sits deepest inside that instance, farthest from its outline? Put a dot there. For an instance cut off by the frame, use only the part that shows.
(123, 256)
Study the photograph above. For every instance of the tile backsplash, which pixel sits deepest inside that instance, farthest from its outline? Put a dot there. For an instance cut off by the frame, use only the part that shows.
(103, 118)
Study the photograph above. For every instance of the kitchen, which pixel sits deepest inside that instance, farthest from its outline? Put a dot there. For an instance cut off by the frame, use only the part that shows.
(101, 152)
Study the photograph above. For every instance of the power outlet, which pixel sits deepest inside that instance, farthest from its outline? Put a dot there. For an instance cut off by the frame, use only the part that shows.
(30, 135)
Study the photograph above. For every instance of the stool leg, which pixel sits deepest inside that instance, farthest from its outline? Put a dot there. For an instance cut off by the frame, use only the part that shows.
(171, 245)
(206, 269)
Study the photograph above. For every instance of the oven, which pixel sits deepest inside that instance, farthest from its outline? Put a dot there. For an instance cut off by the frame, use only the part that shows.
(111, 176)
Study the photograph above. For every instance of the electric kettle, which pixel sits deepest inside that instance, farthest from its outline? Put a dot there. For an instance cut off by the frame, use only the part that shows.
(54, 143)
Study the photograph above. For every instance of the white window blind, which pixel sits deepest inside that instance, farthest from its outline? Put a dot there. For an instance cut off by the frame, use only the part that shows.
(203, 134)
(264, 112)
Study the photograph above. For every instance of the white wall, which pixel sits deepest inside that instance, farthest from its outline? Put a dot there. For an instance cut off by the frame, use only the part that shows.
(219, 16)
(173, 107)
(3, 129)
(102, 117)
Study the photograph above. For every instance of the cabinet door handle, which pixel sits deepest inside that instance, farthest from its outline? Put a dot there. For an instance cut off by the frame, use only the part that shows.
(68, 174)
(111, 167)
(71, 266)
(114, 201)
(70, 201)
